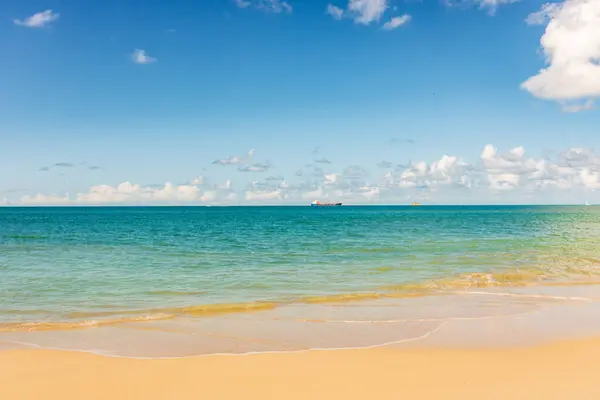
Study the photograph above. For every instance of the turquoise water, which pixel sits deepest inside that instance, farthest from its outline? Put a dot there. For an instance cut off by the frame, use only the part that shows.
(79, 264)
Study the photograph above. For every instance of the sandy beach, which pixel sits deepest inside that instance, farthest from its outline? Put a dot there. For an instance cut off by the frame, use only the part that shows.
(555, 371)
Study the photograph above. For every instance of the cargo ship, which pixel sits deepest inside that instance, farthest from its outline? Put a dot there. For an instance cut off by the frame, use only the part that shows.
(317, 203)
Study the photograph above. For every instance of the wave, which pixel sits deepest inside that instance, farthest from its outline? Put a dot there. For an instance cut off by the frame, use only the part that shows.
(462, 283)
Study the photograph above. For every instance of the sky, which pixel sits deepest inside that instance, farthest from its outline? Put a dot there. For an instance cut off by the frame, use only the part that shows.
(235, 102)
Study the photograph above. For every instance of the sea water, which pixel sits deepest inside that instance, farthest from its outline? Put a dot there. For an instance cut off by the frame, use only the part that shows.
(77, 267)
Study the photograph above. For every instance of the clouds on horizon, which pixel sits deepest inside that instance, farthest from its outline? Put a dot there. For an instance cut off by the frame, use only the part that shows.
(509, 176)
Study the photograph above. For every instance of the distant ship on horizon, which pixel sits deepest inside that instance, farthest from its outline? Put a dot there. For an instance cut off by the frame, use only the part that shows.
(317, 203)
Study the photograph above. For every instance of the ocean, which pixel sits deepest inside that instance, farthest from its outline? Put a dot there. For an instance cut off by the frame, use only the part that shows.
(74, 267)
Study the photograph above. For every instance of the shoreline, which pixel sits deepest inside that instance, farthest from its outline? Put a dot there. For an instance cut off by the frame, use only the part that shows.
(462, 283)
(563, 369)
(492, 318)
(536, 342)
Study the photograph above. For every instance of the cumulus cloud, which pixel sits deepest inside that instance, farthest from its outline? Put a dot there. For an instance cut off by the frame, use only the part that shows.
(199, 180)
(364, 12)
(139, 56)
(38, 20)
(590, 179)
(494, 176)
(127, 193)
(367, 11)
(396, 22)
(571, 45)
(46, 200)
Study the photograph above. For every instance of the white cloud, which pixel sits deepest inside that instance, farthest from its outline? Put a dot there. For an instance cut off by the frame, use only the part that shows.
(209, 196)
(370, 193)
(541, 17)
(139, 56)
(261, 195)
(38, 20)
(396, 22)
(235, 160)
(576, 107)
(256, 167)
(590, 179)
(334, 11)
(131, 194)
(571, 44)
(496, 176)
(198, 180)
(331, 179)
(43, 200)
(126, 193)
(242, 3)
(367, 11)
(490, 5)
(274, 6)
(226, 185)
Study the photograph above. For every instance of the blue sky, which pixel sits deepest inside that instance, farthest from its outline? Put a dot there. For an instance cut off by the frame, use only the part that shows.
(218, 78)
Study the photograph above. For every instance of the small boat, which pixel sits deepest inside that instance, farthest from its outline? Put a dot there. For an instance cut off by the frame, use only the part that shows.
(414, 204)
(317, 203)
(587, 203)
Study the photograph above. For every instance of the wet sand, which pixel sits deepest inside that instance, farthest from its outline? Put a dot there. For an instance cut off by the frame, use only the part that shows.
(555, 371)
(505, 343)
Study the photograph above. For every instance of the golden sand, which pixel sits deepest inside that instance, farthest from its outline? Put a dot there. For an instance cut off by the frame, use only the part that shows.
(567, 370)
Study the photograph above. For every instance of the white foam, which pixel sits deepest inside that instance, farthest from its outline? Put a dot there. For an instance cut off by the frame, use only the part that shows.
(105, 354)
(398, 321)
(533, 296)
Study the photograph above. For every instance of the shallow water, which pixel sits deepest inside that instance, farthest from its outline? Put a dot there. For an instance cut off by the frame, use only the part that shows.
(494, 317)
(80, 266)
